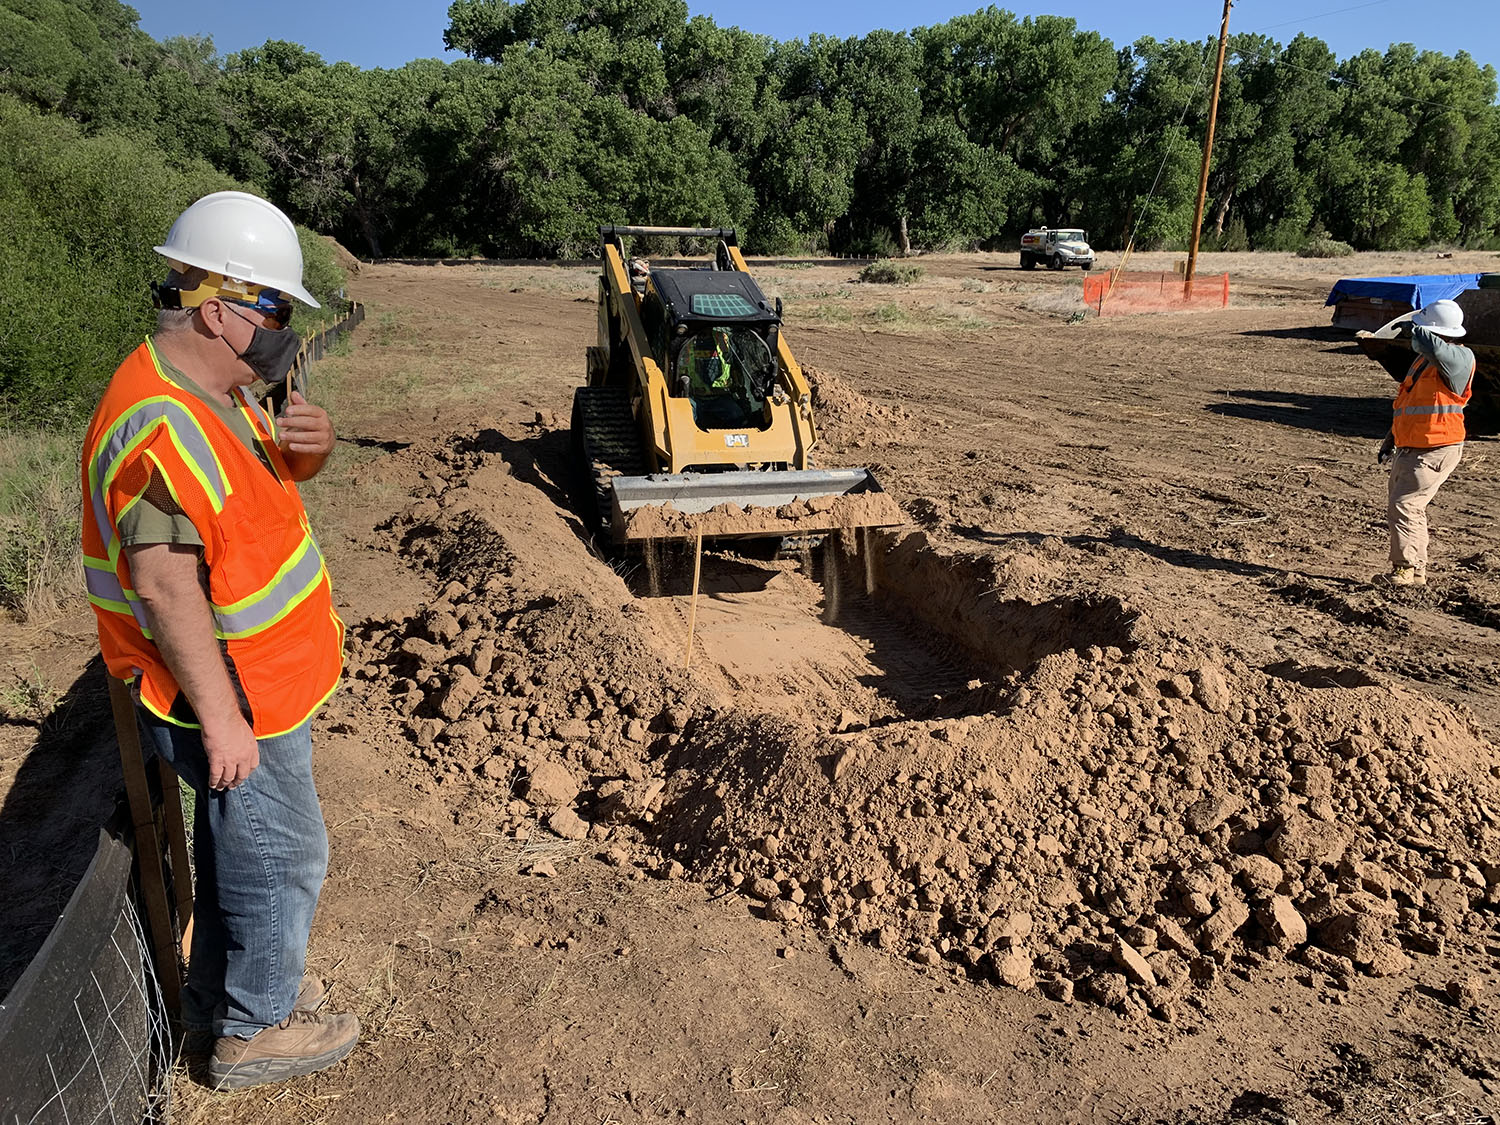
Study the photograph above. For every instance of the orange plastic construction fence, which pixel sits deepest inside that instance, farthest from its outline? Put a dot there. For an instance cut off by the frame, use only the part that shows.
(1113, 293)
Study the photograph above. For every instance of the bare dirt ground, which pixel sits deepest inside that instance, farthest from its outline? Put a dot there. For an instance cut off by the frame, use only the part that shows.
(962, 829)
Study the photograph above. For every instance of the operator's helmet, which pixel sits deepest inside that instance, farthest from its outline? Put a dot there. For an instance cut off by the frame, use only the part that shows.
(1443, 317)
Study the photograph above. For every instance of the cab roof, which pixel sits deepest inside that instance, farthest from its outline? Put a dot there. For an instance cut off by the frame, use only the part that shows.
(705, 296)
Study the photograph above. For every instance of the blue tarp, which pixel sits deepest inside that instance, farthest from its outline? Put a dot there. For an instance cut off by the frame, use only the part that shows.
(1415, 290)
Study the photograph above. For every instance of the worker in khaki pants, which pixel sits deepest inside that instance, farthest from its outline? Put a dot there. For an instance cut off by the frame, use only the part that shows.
(1426, 441)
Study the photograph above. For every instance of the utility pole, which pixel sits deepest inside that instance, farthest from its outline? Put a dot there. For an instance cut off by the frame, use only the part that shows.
(1208, 151)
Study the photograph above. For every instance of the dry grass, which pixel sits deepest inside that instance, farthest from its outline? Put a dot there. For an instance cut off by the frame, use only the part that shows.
(41, 566)
(29, 695)
(1057, 301)
(566, 282)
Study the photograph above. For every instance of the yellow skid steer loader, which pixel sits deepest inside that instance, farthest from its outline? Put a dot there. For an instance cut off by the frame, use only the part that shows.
(697, 419)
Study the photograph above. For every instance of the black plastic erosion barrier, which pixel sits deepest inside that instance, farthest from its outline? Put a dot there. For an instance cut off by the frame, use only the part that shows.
(82, 1034)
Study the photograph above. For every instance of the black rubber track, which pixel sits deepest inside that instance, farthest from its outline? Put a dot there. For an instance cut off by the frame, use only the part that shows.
(606, 444)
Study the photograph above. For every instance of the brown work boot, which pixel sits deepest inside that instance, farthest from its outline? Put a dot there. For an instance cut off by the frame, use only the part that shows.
(1408, 576)
(312, 994)
(301, 1044)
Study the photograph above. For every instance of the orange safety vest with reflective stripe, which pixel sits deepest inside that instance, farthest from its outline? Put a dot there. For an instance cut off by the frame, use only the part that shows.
(1427, 412)
(268, 587)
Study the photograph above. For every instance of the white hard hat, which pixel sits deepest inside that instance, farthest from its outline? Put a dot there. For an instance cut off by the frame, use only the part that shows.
(1443, 317)
(240, 236)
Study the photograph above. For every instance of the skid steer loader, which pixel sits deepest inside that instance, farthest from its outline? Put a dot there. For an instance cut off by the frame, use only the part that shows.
(696, 416)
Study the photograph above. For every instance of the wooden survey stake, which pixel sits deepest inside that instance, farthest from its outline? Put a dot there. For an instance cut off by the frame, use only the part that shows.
(693, 605)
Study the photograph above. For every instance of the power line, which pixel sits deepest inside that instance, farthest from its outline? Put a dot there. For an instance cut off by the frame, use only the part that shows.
(1331, 76)
(1167, 155)
(1320, 15)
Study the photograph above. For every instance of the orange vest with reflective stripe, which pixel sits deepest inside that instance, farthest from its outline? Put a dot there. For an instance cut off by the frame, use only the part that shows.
(268, 588)
(1427, 412)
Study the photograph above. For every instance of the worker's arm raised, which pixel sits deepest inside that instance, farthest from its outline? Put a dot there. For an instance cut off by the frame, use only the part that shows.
(165, 576)
(305, 437)
(1455, 361)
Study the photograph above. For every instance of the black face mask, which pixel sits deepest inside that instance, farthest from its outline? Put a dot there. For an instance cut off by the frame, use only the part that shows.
(270, 353)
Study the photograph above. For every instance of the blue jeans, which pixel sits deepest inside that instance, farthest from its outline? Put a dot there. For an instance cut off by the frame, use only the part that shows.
(260, 852)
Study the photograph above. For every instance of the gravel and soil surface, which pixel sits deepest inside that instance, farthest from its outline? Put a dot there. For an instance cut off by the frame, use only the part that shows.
(1108, 788)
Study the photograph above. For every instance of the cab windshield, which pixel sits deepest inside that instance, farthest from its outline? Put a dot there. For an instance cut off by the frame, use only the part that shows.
(1071, 236)
(727, 373)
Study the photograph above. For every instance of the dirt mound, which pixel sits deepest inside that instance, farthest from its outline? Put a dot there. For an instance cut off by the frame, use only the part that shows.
(1100, 808)
(854, 417)
(347, 261)
(527, 696)
(1120, 824)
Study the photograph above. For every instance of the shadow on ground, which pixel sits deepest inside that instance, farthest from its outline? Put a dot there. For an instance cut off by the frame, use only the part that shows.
(1339, 339)
(1361, 417)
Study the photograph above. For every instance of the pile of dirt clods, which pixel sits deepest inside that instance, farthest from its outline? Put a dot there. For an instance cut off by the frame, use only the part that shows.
(1123, 825)
(527, 699)
(1117, 821)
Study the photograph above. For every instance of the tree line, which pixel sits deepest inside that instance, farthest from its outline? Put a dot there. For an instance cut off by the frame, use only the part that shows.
(568, 113)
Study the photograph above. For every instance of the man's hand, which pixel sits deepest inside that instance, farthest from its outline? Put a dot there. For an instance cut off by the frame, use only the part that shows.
(1387, 450)
(166, 579)
(305, 436)
(232, 753)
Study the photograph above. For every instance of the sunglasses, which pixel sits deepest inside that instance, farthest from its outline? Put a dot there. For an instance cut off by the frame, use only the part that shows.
(278, 313)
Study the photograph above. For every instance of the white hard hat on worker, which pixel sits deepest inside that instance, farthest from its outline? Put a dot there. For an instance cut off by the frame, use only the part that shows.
(1443, 317)
(240, 238)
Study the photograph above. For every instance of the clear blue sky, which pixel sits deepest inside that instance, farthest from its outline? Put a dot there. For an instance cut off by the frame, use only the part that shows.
(391, 32)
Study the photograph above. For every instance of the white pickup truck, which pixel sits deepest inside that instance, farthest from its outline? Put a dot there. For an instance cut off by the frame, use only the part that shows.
(1056, 249)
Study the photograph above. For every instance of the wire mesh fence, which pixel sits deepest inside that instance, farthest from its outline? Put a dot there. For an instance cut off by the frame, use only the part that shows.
(85, 1034)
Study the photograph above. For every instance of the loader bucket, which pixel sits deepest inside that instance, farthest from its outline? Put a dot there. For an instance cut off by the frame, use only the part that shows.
(749, 504)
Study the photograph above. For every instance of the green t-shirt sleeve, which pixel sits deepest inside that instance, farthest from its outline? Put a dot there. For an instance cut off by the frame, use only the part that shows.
(144, 524)
(156, 518)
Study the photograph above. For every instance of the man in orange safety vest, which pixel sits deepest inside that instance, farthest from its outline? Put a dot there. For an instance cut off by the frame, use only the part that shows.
(1426, 440)
(213, 603)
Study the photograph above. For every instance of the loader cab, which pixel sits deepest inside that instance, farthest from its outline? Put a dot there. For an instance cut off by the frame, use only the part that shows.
(714, 334)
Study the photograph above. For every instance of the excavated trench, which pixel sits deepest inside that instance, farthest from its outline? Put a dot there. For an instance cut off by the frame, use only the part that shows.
(888, 631)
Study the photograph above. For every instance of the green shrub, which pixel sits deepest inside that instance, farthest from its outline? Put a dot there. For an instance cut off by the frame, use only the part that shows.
(78, 218)
(1285, 235)
(877, 242)
(1324, 247)
(1235, 238)
(324, 279)
(887, 272)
